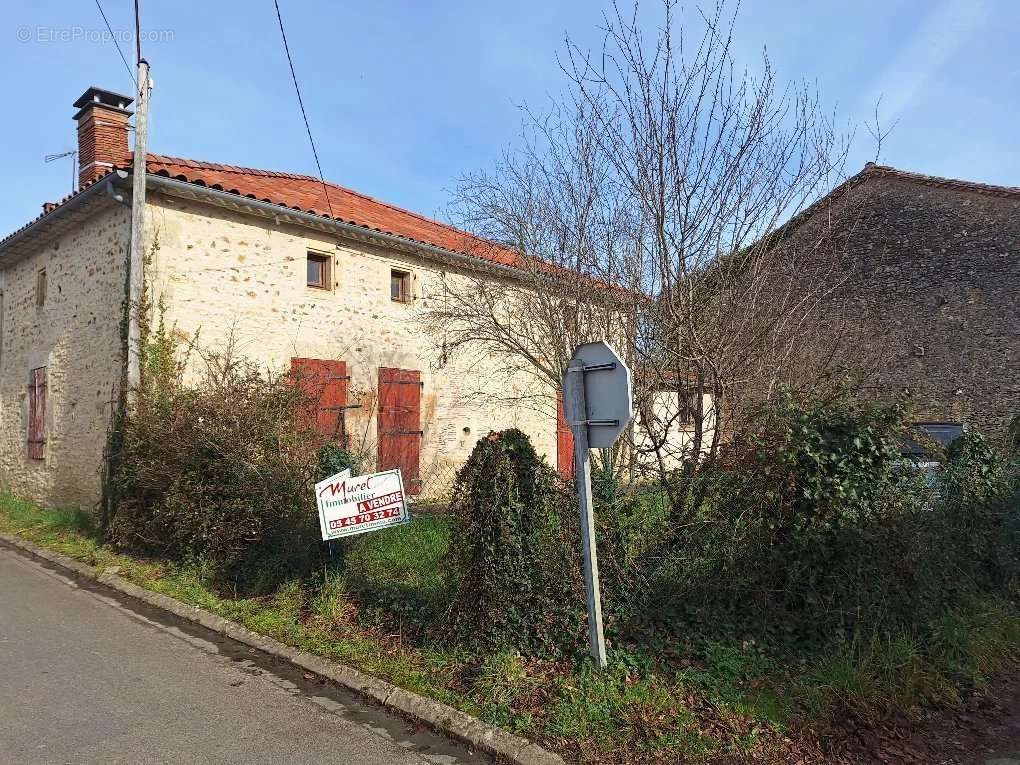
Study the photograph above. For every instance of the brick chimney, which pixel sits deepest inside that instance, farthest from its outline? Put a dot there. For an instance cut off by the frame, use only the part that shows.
(102, 132)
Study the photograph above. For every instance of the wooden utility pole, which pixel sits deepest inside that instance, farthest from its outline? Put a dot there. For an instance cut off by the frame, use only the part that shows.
(136, 258)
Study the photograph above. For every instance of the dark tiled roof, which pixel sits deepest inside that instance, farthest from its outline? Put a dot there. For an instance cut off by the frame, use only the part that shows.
(871, 170)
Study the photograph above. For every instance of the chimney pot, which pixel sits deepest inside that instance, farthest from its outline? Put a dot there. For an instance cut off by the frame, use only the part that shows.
(102, 119)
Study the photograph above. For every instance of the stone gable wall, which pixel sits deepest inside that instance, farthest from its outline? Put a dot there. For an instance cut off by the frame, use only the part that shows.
(934, 279)
(76, 336)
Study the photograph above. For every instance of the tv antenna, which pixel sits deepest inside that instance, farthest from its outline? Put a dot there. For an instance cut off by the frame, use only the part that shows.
(74, 165)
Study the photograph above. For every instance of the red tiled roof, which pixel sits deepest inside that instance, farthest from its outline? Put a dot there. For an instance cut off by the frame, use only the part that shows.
(308, 194)
(49, 207)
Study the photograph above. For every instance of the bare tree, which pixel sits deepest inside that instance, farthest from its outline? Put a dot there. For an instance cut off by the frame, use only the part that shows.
(553, 212)
(663, 177)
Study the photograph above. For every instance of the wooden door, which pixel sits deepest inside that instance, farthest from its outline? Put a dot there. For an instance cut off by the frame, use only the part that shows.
(564, 442)
(325, 382)
(399, 424)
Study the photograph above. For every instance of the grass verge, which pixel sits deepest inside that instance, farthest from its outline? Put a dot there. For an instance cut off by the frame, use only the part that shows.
(729, 700)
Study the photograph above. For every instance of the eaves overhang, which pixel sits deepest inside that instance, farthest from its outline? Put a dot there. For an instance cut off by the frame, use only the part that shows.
(281, 214)
(44, 230)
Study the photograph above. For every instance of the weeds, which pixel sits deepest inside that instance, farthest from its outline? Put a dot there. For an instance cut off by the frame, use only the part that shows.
(733, 696)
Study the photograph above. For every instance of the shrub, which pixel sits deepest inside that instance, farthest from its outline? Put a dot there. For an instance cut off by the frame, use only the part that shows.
(821, 532)
(220, 469)
(519, 587)
(979, 503)
(333, 459)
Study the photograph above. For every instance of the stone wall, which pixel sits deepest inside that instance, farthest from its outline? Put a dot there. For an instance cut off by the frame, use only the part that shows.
(933, 274)
(76, 336)
(226, 276)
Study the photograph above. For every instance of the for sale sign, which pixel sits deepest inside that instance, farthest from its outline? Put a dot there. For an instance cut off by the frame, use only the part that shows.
(351, 505)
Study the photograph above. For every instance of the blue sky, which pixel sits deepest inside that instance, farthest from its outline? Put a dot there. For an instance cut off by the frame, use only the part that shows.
(404, 97)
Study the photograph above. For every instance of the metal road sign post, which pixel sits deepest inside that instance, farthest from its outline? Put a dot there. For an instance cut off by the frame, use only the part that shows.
(598, 403)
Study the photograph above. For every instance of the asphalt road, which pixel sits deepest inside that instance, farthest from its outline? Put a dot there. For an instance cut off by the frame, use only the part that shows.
(88, 678)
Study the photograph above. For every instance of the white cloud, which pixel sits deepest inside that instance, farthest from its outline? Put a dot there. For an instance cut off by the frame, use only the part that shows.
(947, 26)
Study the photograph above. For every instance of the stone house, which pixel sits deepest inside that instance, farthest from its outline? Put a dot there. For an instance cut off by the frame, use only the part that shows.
(930, 275)
(293, 272)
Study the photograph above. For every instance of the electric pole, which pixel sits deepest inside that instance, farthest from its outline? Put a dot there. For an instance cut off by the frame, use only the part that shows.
(136, 260)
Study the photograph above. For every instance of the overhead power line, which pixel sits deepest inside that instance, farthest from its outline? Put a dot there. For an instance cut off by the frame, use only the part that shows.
(113, 37)
(301, 103)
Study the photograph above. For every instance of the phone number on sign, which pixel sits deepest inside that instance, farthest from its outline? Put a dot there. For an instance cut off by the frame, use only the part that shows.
(375, 515)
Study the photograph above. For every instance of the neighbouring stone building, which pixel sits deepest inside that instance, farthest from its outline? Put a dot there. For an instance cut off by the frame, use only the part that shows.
(932, 287)
(265, 261)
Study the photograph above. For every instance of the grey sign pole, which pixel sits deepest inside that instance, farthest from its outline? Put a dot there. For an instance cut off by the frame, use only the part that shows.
(578, 418)
(598, 401)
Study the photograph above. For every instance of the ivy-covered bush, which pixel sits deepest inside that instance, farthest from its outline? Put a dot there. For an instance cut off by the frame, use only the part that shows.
(830, 464)
(980, 500)
(515, 552)
(821, 531)
(219, 469)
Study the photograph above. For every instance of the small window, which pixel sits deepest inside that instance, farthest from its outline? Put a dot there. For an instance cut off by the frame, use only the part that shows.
(400, 286)
(40, 288)
(569, 318)
(318, 271)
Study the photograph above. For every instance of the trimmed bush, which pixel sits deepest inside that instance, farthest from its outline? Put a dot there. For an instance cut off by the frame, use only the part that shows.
(515, 552)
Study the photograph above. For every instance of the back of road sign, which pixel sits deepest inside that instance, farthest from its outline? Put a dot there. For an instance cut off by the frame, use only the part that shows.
(608, 392)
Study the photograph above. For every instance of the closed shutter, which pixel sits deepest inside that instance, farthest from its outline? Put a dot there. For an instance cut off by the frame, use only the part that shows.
(564, 442)
(399, 423)
(325, 382)
(37, 414)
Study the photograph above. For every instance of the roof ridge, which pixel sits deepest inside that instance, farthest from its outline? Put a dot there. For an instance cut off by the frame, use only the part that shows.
(873, 168)
(163, 159)
(202, 165)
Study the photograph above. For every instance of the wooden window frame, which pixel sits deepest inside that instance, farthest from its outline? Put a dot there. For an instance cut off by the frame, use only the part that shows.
(37, 401)
(326, 269)
(404, 292)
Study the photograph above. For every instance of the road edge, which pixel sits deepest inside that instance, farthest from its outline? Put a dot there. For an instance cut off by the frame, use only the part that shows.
(440, 717)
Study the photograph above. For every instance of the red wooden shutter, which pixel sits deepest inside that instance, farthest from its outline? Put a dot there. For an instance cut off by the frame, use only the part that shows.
(37, 414)
(325, 382)
(399, 424)
(564, 442)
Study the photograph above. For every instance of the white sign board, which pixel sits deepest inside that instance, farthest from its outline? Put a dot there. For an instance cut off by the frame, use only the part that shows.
(350, 505)
(608, 393)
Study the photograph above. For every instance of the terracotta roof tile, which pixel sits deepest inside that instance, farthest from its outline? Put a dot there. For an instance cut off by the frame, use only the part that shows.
(49, 207)
(308, 194)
